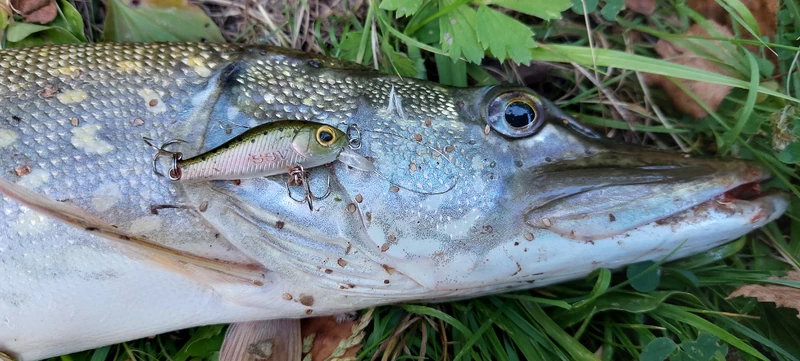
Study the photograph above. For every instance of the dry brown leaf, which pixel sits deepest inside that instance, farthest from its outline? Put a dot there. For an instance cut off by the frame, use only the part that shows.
(645, 7)
(764, 11)
(35, 11)
(328, 335)
(711, 94)
(782, 296)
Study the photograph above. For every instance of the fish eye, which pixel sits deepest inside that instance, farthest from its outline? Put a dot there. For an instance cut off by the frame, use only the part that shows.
(515, 113)
(520, 113)
(326, 136)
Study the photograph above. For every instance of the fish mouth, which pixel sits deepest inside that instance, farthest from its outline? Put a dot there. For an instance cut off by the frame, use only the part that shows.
(595, 199)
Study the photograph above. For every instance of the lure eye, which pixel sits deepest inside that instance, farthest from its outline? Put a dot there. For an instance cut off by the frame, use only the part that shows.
(515, 113)
(326, 136)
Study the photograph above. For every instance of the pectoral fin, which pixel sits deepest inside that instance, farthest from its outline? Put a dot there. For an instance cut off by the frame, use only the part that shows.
(199, 268)
(263, 340)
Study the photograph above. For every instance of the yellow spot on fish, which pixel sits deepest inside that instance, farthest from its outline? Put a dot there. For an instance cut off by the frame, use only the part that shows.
(199, 66)
(106, 196)
(7, 137)
(86, 138)
(70, 70)
(152, 101)
(128, 65)
(72, 96)
(34, 179)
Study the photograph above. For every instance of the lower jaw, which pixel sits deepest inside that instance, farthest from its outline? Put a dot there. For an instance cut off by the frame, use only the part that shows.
(749, 208)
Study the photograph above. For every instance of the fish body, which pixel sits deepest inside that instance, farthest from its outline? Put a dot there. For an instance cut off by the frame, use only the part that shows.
(474, 191)
(266, 150)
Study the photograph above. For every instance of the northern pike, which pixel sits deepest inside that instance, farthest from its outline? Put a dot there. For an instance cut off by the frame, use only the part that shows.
(475, 191)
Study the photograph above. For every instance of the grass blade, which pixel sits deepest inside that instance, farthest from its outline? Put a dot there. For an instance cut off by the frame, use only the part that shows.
(428, 311)
(622, 60)
(747, 109)
(570, 344)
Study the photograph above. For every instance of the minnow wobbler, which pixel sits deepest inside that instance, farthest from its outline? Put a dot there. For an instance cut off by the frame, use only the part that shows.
(266, 150)
(475, 191)
(281, 147)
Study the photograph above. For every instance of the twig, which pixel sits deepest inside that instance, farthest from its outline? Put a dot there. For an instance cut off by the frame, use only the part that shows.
(614, 102)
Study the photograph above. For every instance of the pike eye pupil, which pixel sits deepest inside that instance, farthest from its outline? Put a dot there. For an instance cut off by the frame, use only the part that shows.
(519, 114)
(325, 136)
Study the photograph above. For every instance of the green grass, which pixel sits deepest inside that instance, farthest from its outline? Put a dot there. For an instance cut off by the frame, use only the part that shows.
(650, 311)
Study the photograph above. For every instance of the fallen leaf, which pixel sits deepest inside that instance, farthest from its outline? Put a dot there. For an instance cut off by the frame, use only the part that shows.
(332, 340)
(711, 94)
(645, 7)
(782, 296)
(764, 12)
(67, 28)
(765, 15)
(327, 335)
(35, 11)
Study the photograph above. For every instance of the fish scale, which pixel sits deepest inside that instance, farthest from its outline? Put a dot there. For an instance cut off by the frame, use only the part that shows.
(72, 157)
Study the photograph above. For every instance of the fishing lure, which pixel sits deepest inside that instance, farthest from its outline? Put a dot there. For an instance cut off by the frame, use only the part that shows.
(280, 147)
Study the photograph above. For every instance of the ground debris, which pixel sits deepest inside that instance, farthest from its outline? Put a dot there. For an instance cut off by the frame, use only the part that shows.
(645, 7)
(764, 12)
(782, 296)
(35, 11)
(711, 94)
(713, 55)
(333, 340)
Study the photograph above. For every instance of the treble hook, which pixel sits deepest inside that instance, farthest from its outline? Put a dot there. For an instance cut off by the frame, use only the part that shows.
(298, 176)
(175, 171)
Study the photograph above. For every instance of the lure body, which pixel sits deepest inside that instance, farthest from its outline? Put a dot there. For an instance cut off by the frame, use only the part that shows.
(266, 150)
